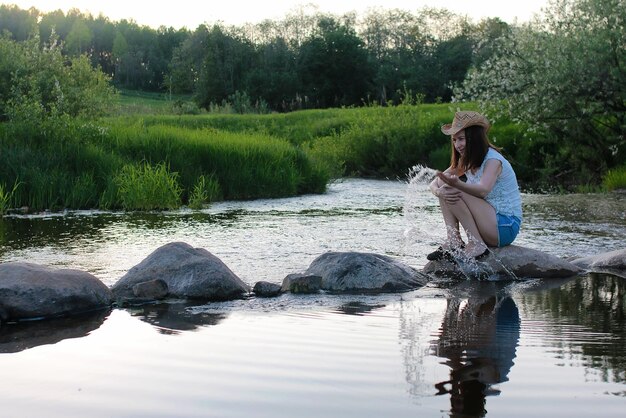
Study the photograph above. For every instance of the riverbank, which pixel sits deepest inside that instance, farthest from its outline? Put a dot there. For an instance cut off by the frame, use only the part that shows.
(166, 161)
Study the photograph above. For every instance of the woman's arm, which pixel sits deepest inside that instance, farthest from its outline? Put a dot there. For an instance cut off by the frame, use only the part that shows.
(492, 170)
(437, 183)
(443, 191)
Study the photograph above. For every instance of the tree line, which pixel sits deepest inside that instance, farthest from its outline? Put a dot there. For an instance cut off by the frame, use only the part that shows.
(306, 60)
(561, 77)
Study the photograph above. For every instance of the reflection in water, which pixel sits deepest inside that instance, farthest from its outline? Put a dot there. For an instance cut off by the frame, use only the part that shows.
(17, 232)
(24, 335)
(589, 316)
(358, 308)
(478, 339)
(172, 317)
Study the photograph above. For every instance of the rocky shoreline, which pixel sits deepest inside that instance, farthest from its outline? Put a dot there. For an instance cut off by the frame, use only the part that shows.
(178, 271)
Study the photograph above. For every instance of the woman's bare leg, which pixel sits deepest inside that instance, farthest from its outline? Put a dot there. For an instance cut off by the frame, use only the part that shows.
(477, 217)
(453, 232)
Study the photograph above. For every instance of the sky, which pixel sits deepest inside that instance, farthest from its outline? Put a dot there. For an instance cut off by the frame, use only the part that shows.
(191, 13)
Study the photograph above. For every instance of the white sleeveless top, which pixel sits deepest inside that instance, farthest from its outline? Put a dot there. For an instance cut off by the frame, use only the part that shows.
(505, 196)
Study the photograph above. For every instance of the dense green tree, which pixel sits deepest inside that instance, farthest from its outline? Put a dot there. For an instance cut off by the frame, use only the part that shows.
(38, 83)
(275, 78)
(139, 66)
(451, 59)
(334, 67)
(186, 63)
(485, 36)
(228, 57)
(307, 59)
(103, 37)
(21, 24)
(415, 53)
(79, 39)
(566, 76)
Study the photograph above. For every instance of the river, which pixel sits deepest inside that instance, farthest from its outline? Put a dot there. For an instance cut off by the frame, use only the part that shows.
(546, 348)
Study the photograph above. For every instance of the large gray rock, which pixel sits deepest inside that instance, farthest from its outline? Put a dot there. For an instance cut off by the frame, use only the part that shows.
(189, 273)
(613, 262)
(30, 291)
(364, 272)
(510, 262)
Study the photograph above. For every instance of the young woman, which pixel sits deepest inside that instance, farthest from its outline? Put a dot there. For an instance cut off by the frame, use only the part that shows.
(488, 204)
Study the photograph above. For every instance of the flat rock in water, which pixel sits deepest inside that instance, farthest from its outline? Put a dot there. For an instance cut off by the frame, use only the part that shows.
(189, 273)
(510, 262)
(30, 291)
(364, 272)
(613, 262)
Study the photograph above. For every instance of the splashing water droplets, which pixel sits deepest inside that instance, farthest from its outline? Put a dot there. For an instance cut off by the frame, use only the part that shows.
(423, 229)
(421, 175)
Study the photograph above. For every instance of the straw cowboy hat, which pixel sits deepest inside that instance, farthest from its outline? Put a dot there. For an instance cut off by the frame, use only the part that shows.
(464, 119)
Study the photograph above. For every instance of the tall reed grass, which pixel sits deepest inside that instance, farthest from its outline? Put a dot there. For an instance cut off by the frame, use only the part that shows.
(246, 166)
(6, 197)
(615, 179)
(206, 190)
(146, 187)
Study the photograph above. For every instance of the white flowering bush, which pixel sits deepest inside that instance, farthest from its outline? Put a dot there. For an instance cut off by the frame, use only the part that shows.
(564, 75)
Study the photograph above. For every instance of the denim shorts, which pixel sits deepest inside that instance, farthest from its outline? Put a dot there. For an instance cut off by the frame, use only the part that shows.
(508, 228)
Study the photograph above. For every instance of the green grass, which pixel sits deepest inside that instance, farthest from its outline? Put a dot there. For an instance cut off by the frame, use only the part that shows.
(145, 187)
(615, 179)
(158, 160)
(205, 191)
(6, 197)
(120, 162)
(132, 102)
(246, 165)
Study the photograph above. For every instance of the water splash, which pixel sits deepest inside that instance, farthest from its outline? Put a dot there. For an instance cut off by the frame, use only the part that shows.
(490, 269)
(423, 230)
(421, 175)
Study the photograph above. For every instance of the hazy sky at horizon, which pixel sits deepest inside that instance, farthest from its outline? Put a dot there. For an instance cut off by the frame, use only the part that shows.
(190, 13)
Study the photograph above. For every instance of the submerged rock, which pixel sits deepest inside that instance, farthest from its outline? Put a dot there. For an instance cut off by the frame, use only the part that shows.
(364, 272)
(613, 262)
(30, 291)
(510, 262)
(189, 273)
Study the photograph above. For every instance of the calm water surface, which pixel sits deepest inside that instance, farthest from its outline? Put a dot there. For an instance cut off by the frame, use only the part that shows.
(546, 348)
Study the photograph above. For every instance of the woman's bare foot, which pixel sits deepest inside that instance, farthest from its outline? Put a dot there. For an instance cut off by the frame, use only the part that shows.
(476, 251)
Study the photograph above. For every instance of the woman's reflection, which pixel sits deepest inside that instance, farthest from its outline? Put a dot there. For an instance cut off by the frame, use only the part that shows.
(478, 338)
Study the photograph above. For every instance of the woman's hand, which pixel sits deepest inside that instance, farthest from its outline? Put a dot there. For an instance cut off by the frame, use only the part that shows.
(449, 194)
(449, 179)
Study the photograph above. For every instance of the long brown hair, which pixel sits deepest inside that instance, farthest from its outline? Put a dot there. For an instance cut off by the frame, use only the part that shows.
(476, 146)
